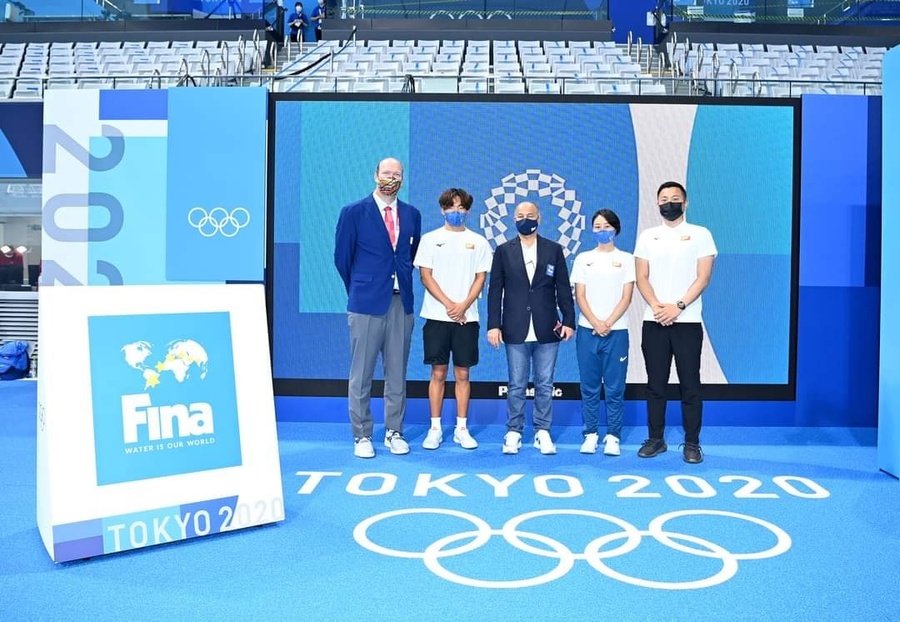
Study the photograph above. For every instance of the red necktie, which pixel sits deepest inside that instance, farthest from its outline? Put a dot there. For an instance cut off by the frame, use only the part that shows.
(389, 223)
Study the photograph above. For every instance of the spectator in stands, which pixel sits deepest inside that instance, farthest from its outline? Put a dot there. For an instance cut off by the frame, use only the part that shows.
(673, 265)
(318, 16)
(604, 283)
(453, 263)
(374, 246)
(11, 265)
(273, 14)
(298, 23)
(529, 286)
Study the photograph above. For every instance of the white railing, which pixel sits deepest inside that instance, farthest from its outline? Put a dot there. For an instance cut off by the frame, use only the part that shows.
(678, 83)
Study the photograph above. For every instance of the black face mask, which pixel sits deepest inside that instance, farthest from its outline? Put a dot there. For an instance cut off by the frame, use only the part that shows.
(671, 211)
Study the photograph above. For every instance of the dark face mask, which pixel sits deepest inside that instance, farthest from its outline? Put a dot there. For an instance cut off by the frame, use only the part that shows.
(671, 211)
(526, 226)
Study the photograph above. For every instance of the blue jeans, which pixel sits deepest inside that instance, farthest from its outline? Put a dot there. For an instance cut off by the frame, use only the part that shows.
(602, 361)
(520, 358)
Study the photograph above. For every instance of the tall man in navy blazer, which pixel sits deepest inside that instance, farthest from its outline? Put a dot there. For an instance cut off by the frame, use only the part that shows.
(528, 290)
(374, 246)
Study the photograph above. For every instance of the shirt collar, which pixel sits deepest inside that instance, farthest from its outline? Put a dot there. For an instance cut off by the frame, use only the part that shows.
(381, 204)
(679, 227)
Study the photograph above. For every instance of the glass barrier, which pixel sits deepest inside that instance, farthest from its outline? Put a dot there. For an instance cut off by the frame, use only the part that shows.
(832, 12)
(475, 9)
(874, 12)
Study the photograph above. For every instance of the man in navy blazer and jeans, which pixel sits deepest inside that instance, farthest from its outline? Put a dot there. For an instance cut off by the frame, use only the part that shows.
(374, 246)
(528, 290)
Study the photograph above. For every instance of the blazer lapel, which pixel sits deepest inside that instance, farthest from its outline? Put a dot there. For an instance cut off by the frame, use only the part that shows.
(402, 226)
(518, 257)
(543, 258)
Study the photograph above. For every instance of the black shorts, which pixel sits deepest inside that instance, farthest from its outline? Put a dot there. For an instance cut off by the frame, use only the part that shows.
(440, 339)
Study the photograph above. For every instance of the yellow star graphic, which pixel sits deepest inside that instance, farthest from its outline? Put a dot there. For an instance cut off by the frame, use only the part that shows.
(160, 366)
(152, 379)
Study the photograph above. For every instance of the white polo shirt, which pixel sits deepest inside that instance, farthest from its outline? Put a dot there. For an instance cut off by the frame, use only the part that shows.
(672, 253)
(604, 275)
(455, 257)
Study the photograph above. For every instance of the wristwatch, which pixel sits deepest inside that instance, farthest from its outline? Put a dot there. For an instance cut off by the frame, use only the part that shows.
(680, 304)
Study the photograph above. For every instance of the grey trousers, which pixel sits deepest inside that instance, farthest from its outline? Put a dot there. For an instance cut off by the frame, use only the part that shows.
(390, 335)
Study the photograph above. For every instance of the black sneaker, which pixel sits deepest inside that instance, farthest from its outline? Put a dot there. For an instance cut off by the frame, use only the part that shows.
(652, 447)
(692, 453)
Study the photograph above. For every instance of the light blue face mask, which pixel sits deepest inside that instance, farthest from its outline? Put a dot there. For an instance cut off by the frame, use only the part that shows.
(604, 236)
(455, 219)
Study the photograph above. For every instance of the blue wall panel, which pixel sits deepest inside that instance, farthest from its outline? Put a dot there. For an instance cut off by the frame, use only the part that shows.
(889, 396)
(837, 149)
(21, 146)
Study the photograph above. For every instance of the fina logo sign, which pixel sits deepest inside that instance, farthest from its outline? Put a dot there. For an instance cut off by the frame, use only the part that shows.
(164, 404)
(161, 422)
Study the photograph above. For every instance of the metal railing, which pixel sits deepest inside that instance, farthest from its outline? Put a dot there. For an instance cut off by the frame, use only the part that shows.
(676, 83)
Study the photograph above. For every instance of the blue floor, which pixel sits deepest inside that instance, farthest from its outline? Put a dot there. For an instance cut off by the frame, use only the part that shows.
(776, 524)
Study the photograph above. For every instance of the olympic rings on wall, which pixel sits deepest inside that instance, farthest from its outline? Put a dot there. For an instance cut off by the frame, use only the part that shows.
(218, 220)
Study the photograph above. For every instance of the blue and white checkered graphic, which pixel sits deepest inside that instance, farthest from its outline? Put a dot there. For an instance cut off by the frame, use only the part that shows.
(515, 187)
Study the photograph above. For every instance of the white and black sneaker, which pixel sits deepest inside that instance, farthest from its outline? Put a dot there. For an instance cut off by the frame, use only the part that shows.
(512, 442)
(363, 448)
(394, 441)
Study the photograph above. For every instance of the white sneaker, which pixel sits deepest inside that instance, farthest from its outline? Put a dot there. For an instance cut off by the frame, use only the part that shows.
(394, 441)
(363, 448)
(464, 439)
(512, 442)
(589, 446)
(433, 439)
(543, 442)
(611, 445)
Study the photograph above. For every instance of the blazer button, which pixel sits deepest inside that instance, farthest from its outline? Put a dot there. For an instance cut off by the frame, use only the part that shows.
(528, 308)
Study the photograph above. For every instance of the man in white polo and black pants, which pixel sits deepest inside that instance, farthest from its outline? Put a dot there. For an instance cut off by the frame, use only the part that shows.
(673, 265)
(453, 262)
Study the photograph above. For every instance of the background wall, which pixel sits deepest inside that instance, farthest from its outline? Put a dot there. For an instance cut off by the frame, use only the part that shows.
(838, 305)
(840, 254)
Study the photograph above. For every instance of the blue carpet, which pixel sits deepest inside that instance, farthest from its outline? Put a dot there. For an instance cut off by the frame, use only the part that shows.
(776, 524)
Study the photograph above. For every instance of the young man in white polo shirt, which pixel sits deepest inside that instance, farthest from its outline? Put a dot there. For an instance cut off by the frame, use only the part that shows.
(673, 265)
(453, 262)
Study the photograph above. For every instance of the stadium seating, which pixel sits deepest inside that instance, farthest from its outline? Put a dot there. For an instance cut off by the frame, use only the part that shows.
(27, 70)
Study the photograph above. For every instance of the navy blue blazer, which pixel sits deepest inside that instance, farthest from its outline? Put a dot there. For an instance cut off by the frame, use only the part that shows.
(512, 300)
(367, 262)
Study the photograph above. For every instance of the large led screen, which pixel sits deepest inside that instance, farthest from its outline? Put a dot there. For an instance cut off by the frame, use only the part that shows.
(572, 157)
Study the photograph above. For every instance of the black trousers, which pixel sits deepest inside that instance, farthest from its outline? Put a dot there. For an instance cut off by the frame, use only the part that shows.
(272, 41)
(659, 344)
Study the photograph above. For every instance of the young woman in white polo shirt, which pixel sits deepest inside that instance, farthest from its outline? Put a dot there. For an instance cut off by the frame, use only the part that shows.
(604, 284)
(673, 264)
